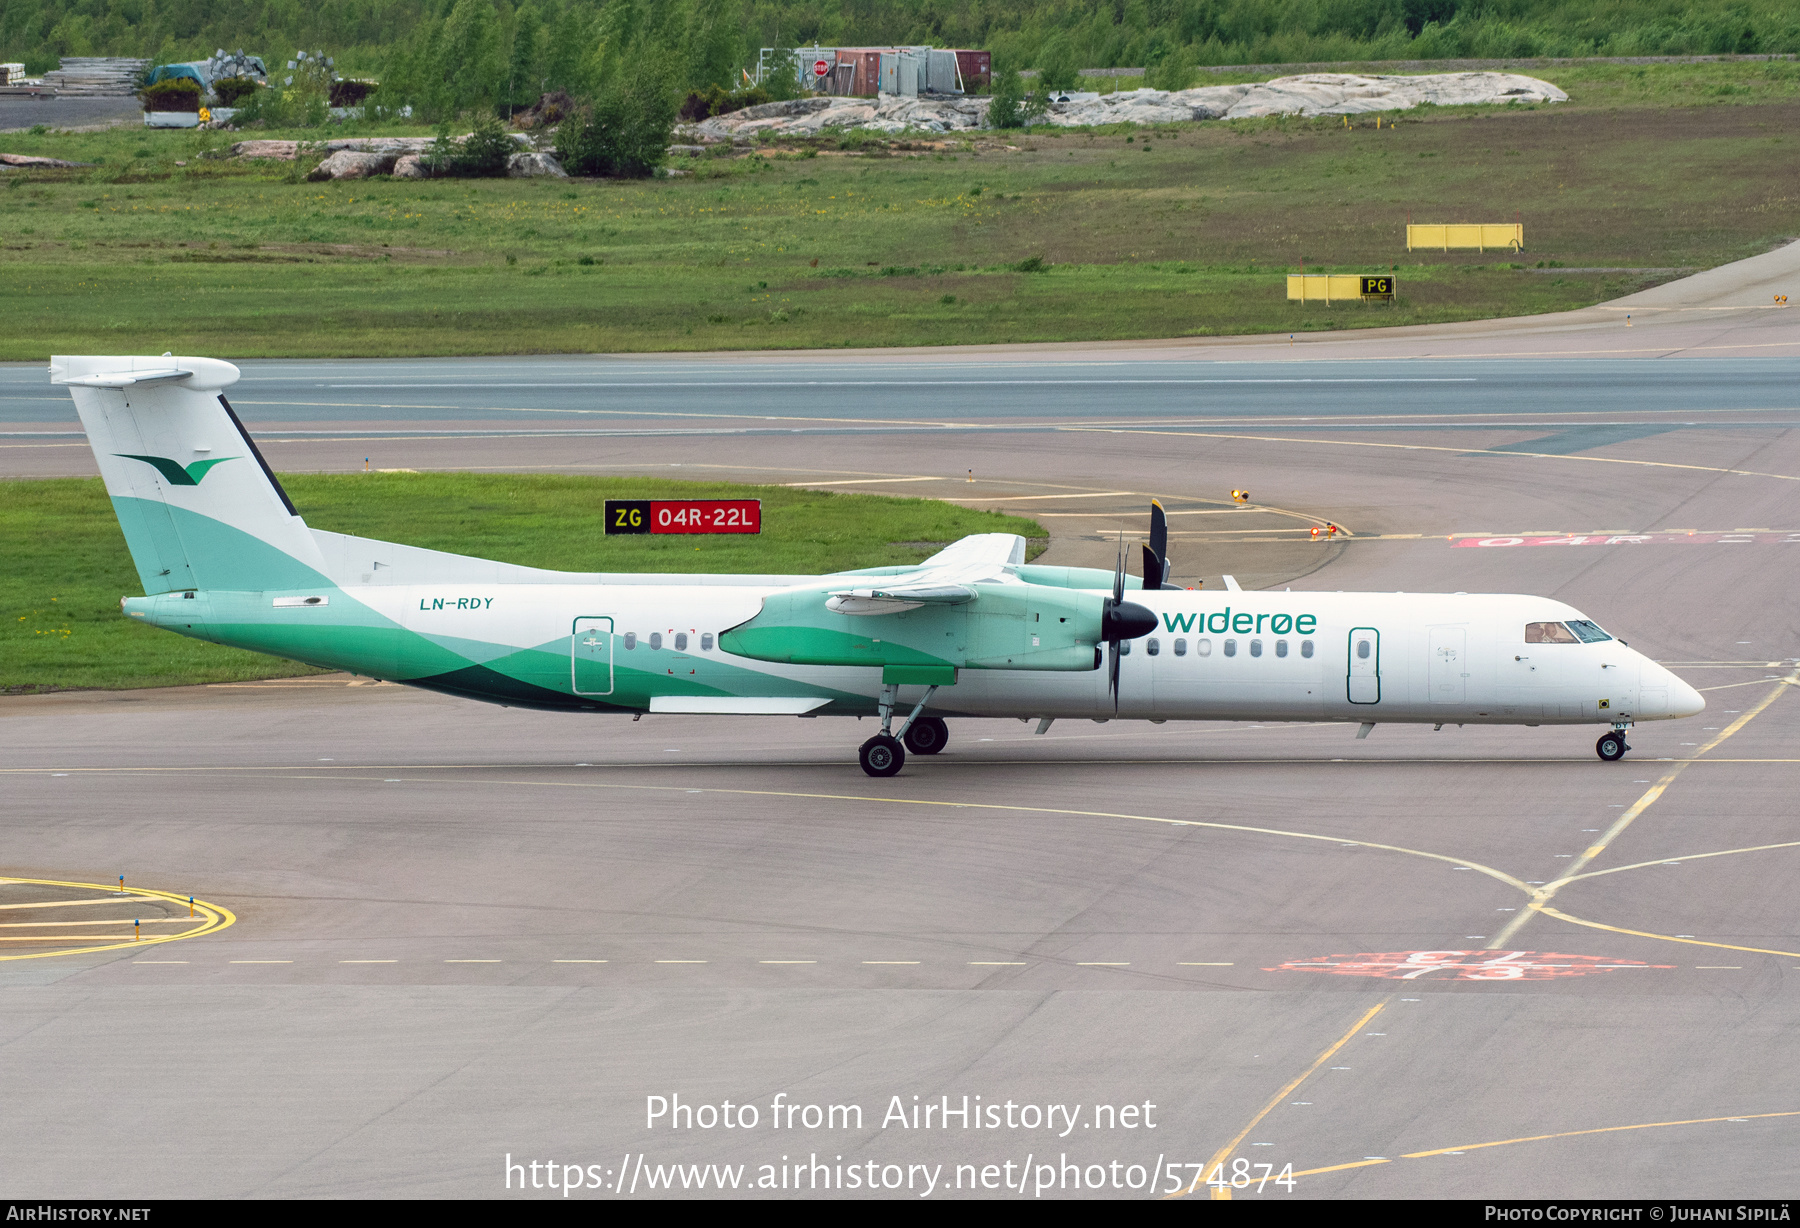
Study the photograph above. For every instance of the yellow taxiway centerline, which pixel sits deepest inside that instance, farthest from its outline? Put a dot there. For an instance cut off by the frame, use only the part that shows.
(1539, 1138)
(1542, 896)
(212, 917)
(1224, 1153)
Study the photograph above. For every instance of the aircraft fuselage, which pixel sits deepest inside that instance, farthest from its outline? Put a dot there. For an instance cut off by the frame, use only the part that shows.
(647, 646)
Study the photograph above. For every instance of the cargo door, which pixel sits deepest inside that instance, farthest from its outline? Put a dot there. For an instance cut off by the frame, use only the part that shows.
(1364, 684)
(1449, 666)
(591, 656)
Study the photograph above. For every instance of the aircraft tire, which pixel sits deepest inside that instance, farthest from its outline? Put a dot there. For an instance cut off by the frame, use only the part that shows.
(927, 736)
(1611, 747)
(882, 755)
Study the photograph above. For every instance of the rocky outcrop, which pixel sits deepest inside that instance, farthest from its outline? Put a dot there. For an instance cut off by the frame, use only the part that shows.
(7, 159)
(401, 157)
(1307, 94)
(288, 150)
(527, 164)
(354, 164)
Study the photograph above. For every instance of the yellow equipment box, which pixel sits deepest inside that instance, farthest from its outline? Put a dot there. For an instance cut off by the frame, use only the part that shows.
(1339, 287)
(1510, 235)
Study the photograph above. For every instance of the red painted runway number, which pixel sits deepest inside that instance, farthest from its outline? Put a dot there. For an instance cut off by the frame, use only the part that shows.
(683, 516)
(1462, 965)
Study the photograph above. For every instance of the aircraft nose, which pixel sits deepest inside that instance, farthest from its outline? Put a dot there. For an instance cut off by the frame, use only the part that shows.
(1684, 700)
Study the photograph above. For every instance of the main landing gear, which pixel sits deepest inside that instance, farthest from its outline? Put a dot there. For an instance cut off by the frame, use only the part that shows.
(1611, 746)
(883, 754)
(927, 735)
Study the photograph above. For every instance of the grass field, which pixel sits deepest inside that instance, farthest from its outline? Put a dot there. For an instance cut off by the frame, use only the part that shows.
(60, 625)
(1183, 230)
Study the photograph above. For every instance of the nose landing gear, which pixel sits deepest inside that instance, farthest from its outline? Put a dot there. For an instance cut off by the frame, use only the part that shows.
(1611, 746)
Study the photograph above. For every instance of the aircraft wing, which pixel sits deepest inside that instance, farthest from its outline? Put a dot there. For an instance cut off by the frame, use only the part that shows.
(946, 578)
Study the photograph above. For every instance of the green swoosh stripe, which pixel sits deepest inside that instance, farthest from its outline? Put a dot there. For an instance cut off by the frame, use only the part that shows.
(177, 475)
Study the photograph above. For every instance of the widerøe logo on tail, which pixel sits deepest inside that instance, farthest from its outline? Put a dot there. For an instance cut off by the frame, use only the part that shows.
(174, 472)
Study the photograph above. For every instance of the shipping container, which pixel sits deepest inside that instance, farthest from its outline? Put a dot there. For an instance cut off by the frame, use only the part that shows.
(863, 72)
(977, 69)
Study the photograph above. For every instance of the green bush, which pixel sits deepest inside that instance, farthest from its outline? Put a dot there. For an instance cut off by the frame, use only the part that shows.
(719, 101)
(624, 131)
(1175, 71)
(484, 152)
(176, 94)
(1058, 69)
(781, 76)
(229, 90)
(352, 92)
(1006, 110)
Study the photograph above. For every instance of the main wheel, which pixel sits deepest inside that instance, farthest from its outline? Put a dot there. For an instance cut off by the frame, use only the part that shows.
(927, 736)
(882, 755)
(1611, 746)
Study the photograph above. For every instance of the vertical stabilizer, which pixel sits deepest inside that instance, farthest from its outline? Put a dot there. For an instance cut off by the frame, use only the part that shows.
(199, 506)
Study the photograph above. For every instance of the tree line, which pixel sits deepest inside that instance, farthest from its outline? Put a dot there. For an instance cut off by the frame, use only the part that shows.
(506, 44)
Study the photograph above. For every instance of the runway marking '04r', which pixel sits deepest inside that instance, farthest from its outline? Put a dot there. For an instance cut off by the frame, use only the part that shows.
(1463, 965)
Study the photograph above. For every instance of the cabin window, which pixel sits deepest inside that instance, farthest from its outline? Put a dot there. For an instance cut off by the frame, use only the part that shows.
(706, 641)
(630, 640)
(1181, 648)
(1362, 650)
(1549, 633)
(1203, 648)
(1256, 648)
(1306, 648)
(1151, 646)
(1124, 648)
(681, 641)
(1281, 648)
(1589, 633)
(1231, 648)
(656, 639)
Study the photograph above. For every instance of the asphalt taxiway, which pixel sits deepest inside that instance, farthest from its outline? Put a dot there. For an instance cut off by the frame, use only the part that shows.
(1468, 963)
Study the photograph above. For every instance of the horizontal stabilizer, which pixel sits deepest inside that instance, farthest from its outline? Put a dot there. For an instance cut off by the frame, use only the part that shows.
(129, 371)
(128, 379)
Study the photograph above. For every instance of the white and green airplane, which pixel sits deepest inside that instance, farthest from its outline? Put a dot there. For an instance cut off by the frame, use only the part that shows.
(973, 631)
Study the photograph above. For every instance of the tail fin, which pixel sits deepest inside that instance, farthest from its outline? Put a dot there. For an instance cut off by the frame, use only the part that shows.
(199, 506)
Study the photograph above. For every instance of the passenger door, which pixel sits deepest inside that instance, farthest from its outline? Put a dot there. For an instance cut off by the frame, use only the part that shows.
(1364, 685)
(591, 656)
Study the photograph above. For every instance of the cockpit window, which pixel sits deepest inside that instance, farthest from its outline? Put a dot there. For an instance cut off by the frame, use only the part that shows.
(1589, 632)
(1549, 633)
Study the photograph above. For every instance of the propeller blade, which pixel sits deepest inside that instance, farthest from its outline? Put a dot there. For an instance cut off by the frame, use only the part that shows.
(1112, 677)
(1159, 544)
(1153, 569)
(1119, 573)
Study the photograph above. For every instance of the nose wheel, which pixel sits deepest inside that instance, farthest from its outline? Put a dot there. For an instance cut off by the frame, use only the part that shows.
(1611, 746)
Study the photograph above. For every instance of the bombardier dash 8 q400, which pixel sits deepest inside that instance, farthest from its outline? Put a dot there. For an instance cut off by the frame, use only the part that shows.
(974, 630)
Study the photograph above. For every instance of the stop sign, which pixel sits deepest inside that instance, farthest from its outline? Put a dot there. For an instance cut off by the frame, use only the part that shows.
(820, 68)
